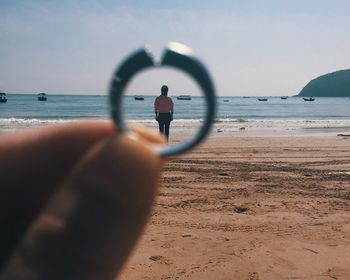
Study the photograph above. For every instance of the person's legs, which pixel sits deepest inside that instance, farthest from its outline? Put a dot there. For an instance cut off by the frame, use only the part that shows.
(167, 125)
(161, 126)
(164, 123)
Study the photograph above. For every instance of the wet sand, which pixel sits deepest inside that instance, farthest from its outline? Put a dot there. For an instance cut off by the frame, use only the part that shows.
(250, 207)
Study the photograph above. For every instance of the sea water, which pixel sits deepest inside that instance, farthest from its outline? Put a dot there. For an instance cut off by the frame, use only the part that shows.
(24, 110)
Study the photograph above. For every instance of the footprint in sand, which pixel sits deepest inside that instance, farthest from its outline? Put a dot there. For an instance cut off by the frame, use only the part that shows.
(253, 276)
(159, 259)
(240, 209)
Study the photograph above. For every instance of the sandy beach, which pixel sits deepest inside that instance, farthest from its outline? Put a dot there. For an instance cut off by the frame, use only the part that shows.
(251, 207)
(265, 196)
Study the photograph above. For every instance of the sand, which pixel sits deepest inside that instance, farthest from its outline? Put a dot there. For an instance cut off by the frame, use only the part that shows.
(251, 207)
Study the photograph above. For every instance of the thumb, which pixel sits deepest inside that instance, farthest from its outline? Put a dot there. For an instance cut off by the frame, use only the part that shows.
(91, 225)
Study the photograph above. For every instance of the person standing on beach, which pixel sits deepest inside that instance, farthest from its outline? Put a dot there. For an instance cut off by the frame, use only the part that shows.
(164, 109)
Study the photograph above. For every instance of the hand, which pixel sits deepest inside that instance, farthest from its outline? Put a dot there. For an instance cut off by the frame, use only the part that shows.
(74, 200)
(157, 117)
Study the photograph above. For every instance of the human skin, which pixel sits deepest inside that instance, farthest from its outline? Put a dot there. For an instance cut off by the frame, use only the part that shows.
(74, 199)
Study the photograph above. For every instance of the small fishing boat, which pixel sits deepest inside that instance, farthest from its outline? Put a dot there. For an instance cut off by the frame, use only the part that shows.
(139, 97)
(226, 100)
(184, 97)
(309, 99)
(284, 97)
(262, 99)
(3, 98)
(42, 96)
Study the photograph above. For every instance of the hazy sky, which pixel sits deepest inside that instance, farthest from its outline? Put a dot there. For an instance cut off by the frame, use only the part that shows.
(251, 47)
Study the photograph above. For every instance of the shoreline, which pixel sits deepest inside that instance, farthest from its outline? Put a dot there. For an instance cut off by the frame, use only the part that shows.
(186, 128)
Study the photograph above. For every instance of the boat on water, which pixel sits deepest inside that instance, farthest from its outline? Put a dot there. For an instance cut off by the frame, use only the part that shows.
(309, 99)
(42, 96)
(139, 97)
(3, 98)
(262, 99)
(284, 97)
(184, 97)
(226, 100)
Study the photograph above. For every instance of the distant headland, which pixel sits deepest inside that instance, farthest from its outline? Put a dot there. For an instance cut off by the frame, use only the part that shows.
(335, 84)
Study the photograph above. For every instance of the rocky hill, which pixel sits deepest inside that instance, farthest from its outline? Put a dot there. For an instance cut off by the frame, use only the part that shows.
(336, 84)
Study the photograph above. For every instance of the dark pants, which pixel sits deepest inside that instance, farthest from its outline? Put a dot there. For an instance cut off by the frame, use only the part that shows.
(164, 120)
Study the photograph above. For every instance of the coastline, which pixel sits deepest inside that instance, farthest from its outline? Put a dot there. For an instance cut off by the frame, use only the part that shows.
(227, 127)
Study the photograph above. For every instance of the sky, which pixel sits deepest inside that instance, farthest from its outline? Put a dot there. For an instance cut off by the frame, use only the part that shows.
(250, 47)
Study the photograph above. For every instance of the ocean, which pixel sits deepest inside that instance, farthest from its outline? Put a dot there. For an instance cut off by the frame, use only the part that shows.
(24, 111)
